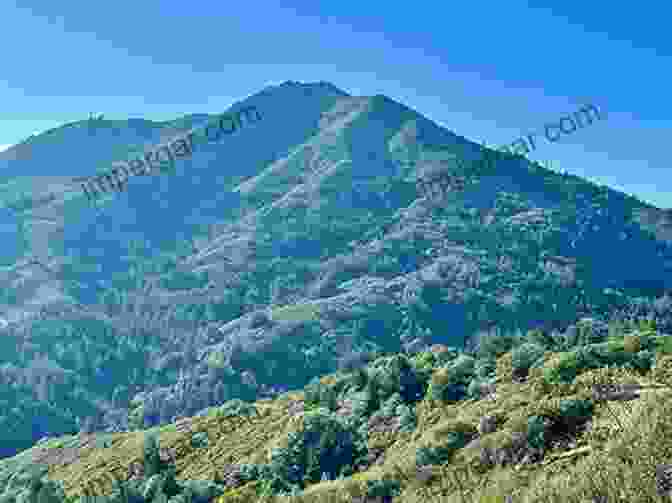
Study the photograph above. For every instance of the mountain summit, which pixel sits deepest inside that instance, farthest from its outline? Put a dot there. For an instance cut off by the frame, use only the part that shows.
(335, 226)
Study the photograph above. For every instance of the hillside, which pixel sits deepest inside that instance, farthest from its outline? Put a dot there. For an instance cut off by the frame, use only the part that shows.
(286, 251)
(544, 418)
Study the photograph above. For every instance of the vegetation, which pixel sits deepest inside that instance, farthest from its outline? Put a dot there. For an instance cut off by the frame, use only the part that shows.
(545, 437)
(347, 323)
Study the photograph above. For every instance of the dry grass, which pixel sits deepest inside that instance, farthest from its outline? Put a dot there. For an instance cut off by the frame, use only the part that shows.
(616, 458)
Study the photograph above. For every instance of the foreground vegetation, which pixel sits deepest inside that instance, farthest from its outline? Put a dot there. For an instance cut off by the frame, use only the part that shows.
(525, 416)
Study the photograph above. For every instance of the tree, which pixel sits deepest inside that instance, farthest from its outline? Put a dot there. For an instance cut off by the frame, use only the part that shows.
(152, 459)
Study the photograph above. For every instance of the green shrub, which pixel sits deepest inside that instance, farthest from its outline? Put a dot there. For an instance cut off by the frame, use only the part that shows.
(408, 418)
(536, 431)
(202, 491)
(326, 445)
(397, 375)
(643, 360)
(424, 361)
(358, 379)
(565, 371)
(485, 368)
(475, 388)
(540, 338)
(462, 368)
(385, 488)
(236, 407)
(389, 408)
(425, 456)
(525, 355)
(151, 458)
(200, 440)
(494, 345)
(576, 408)
(318, 395)
(447, 385)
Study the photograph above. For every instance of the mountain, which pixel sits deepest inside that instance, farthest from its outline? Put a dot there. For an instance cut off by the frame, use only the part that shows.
(581, 416)
(334, 228)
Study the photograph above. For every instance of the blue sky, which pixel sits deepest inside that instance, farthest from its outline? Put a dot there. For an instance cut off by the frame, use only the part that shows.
(488, 71)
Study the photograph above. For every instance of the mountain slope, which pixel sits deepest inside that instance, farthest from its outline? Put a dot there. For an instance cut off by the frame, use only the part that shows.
(548, 419)
(294, 246)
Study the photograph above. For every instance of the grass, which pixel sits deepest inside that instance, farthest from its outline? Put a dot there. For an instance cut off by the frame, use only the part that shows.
(616, 458)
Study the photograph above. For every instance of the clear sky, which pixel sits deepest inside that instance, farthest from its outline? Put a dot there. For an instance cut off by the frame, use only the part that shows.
(489, 71)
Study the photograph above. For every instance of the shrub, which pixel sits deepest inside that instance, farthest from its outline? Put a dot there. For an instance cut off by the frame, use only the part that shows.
(463, 368)
(424, 361)
(326, 445)
(576, 408)
(408, 418)
(536, 431)
(427, 456)
(359, 379)
(474, 389)
(200, 440)
(312, 393)
(494, 345)
(479, 387)
(565, 371)
(540, 338)
(385, 488)
(643, 360)
(396, 375)
(441, 454)
(485, 368)
(524, 356)
(202, 491)
(389, 408)
(151, 460)
(444, 387)
(236, 407)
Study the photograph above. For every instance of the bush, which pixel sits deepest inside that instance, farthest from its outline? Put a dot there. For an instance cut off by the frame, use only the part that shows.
(396, 375)
(424, 361)
(576, 408)
(428, 456)
(425, 456)
(200, 440)
(389, 408)
(494, 345)
(536, 431)
(485, 368)
(540, 338)
(463, 368)
(565, 371)
(312, 393)
(326, 445)
(444, 387)
(643, 360)
(475, 388)
(450, 384)
(151, 460)
(236, 407)
(526, 355)
(318, 395)
(408, 418)
(385, 488)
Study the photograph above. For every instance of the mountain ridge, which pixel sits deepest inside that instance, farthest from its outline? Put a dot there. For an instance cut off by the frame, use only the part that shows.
(268, 259)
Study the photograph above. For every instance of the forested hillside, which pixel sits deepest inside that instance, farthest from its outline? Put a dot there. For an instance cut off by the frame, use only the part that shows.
(296, 247)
